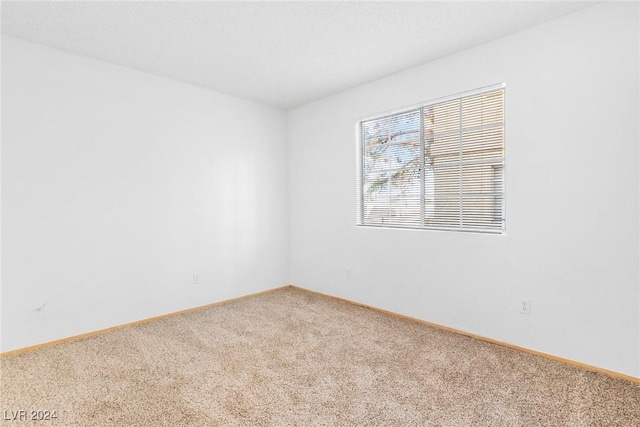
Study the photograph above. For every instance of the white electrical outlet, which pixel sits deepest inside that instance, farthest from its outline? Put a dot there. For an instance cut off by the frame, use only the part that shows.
(525, 306)
(348, 273)
(196, 278)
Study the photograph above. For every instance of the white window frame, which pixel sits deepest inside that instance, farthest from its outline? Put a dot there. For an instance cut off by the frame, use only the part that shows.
(360, 215)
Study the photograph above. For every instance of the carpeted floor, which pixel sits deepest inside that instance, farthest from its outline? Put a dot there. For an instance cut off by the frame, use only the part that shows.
(292, 358)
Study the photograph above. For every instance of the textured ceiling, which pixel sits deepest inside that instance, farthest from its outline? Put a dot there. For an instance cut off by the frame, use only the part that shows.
(279, 53)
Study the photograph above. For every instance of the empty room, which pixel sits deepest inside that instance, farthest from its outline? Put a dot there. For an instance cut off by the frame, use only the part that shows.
(324, 213)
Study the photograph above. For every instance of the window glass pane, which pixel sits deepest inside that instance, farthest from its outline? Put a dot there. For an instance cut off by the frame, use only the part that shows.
(376, 198)
(447, 212)
(483, 144)
(405, 197)
(480, 212)
(443, 117)
(446, 181)
(482, 109)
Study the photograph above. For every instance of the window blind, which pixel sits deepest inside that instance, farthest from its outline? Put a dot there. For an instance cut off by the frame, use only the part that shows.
(439, 165)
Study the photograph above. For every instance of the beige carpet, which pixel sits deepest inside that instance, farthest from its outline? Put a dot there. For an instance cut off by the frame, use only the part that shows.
(292, 358)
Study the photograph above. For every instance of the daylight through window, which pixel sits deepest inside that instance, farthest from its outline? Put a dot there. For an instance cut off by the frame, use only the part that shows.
(436, 166)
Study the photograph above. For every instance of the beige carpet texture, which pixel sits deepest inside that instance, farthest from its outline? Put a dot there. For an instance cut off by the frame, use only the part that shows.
(294, 358)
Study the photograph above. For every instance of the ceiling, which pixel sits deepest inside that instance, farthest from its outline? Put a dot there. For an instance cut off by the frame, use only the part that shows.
(283, 54)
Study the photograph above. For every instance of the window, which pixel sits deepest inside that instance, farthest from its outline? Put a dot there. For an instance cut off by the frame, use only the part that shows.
(436, 166)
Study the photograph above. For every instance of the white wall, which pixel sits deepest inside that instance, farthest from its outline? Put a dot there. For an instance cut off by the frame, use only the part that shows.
(118, 185)
(572, 196)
